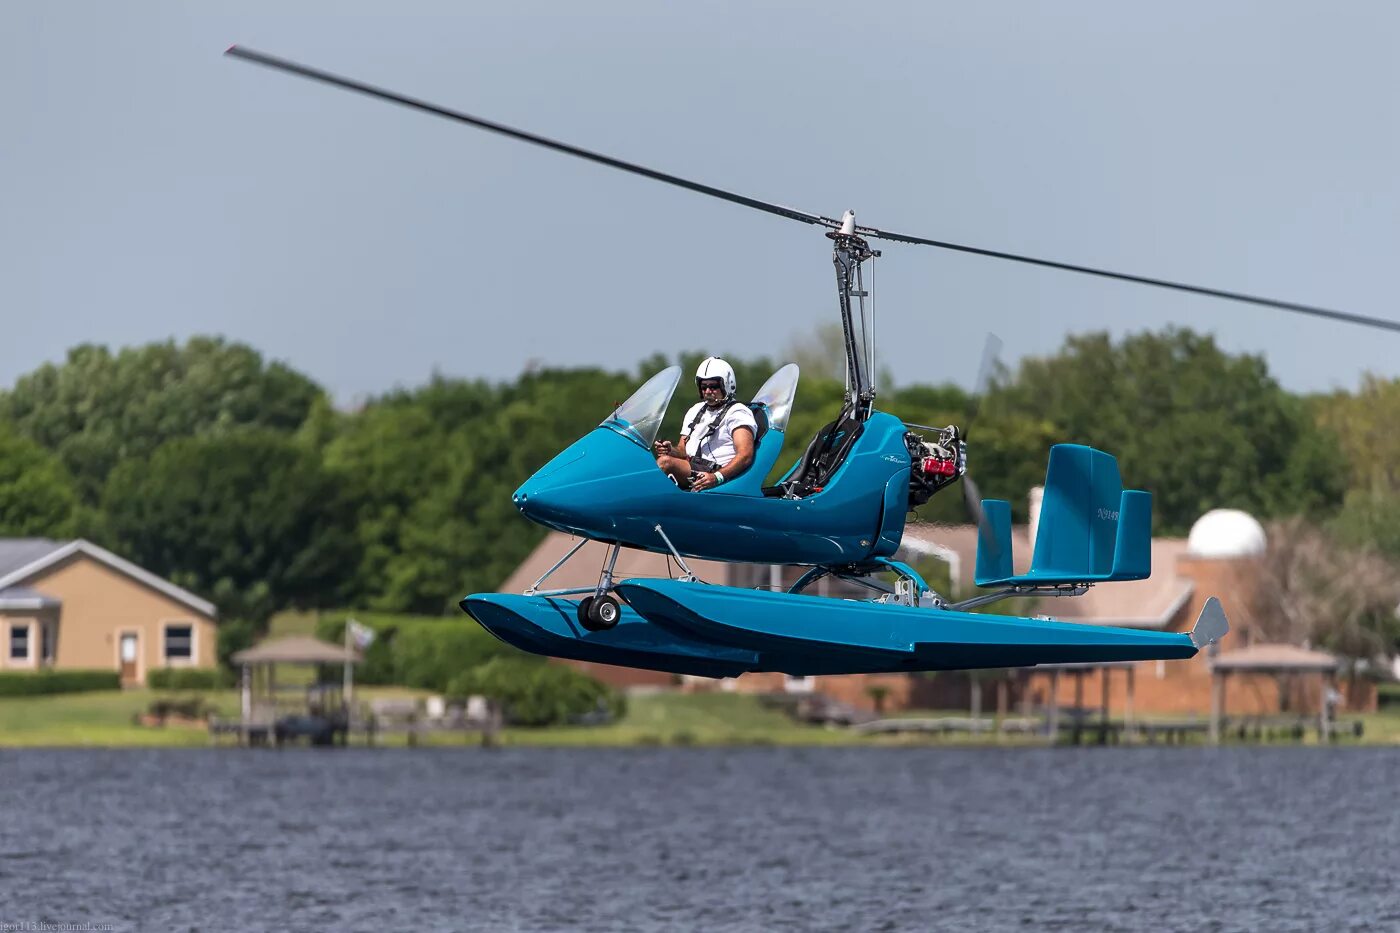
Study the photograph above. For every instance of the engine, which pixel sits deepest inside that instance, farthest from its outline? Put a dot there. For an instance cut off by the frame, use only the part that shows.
(933, 463)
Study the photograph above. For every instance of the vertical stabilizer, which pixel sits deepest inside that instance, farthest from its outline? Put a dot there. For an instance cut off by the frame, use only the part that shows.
(1079, 513)
(994, 557)
(1211, 624)
(1132, 550)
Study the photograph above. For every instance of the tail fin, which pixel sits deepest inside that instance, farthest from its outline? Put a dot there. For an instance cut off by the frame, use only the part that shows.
(1091, 530)
(1211, 624)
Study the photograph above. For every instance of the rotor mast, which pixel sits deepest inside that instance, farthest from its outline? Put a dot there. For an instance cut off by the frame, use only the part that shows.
(849, 253)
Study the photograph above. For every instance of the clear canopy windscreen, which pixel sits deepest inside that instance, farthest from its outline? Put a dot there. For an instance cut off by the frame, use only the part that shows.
(640, 416)
(778, 394)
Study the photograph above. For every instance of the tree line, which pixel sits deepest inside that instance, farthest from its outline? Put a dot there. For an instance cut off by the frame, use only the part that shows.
(237, 478)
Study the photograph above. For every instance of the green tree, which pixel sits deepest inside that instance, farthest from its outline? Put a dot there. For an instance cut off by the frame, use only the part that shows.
(1370, 520)
(432, 471)
(99, 408)
(251, 520)
(1196, 426)
(388, 459)
(1365, 427)
(37, 496)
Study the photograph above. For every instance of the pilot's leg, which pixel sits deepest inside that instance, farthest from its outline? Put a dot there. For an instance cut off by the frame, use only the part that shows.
(678, 468)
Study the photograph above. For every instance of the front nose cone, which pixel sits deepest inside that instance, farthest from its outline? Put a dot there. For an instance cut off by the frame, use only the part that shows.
(536, 503)
(539, 498)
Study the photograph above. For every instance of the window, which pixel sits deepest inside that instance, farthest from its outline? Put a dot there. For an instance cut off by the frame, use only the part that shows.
(179, 642)
(19, 642)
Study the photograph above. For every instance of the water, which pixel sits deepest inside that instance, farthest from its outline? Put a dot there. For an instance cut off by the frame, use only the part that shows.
(702, 839)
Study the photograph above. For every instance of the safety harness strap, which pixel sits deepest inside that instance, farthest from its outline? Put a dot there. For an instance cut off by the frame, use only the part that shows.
(714, 423)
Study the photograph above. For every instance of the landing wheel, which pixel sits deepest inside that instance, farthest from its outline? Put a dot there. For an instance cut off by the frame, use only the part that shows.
(598, 613)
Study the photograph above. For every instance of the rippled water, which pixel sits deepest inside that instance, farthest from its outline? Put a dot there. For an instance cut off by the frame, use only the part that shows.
(712, 839)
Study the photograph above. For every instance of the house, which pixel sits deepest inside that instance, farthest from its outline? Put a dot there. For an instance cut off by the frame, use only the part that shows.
(68, 605)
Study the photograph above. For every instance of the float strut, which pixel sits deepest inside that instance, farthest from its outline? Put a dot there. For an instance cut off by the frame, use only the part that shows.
(545, 576)
(689, 574)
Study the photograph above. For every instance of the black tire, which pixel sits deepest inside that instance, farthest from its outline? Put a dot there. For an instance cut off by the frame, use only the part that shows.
(599, 613)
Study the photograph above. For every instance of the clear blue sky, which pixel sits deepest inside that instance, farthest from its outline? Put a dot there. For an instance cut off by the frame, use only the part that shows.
(150, 187)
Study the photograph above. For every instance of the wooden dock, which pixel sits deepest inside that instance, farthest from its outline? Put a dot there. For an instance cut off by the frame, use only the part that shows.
(1085, 727)
(366, 727)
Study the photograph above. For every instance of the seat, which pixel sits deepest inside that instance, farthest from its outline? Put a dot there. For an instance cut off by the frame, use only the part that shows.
(760, 417)
(824, 456)
(762, 459)
(771, 408)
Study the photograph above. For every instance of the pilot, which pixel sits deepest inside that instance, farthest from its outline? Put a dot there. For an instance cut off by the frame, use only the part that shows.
(718, 437)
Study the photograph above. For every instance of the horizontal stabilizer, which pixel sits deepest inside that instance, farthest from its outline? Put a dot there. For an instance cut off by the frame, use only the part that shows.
(1090, 529)
(1211, 625)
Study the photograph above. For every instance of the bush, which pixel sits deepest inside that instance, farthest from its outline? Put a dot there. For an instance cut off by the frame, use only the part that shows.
(420, 651)
(37, 683)
(535, 694)
(234, 636)
(188, 678)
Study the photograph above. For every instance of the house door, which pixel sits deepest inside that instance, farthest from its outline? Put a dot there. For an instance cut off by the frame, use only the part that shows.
(128, 657)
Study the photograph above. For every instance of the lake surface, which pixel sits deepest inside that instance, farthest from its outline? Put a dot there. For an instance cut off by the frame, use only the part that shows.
(703, 839)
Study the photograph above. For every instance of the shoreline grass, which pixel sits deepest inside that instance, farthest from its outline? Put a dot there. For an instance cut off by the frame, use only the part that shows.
(110, 719)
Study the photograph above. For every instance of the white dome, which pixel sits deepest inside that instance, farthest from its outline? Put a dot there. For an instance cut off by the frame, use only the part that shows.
(1226, 533)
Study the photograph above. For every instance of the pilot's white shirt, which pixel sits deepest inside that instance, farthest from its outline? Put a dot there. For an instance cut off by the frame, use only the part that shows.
(719, 446)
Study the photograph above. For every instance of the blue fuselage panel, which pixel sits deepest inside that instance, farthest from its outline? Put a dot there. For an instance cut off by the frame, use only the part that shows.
(607, 487)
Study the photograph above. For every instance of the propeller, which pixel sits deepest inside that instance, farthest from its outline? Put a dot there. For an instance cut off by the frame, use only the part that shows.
(844, 226)
(991, 355)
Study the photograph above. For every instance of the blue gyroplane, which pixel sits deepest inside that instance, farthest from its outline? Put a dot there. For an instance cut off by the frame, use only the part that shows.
(839, 511)
(843, 518)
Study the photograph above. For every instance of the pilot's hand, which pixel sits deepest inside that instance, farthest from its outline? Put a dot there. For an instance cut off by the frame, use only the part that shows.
(702, 481)
(662, 447)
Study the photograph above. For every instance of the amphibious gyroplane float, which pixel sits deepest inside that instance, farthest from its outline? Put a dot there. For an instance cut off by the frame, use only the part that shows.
(840, 510)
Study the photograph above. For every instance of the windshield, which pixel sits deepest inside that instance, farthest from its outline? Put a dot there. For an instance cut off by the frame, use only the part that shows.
(777, 393)
(640, 416)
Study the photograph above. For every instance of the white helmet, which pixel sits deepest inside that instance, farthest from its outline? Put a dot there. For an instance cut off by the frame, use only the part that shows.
(712, 367)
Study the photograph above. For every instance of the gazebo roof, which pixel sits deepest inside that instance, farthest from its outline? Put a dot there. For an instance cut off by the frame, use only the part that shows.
(296, 649)
(1275, 659)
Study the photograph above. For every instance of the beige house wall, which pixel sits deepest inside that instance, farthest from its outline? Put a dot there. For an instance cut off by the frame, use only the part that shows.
(98, 604)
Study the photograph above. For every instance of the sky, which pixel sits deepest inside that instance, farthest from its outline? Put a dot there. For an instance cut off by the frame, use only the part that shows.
(151, 188)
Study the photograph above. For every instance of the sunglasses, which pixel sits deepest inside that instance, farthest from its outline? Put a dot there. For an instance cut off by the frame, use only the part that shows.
(713, 384)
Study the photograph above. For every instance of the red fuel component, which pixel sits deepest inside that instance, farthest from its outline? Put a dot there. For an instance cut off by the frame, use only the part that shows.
(937, 467)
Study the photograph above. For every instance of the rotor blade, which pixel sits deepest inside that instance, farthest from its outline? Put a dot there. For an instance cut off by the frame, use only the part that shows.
(1327, 313)
(972, 500)
(315, 74)
(991, 356)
